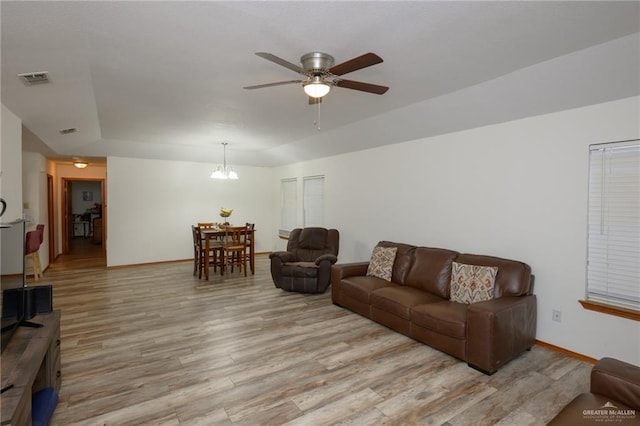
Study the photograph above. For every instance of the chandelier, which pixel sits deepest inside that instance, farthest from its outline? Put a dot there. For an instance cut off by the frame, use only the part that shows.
(222, 171)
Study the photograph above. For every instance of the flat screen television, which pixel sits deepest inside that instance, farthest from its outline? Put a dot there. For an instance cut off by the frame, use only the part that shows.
(12, 277)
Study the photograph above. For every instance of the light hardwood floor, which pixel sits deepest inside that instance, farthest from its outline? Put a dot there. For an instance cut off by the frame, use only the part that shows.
(154, 345)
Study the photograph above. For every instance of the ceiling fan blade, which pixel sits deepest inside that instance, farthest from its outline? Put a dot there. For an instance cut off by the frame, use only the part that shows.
(314, 101)
(280, 61)
(355, 64)
(364, 87)
(279, 83)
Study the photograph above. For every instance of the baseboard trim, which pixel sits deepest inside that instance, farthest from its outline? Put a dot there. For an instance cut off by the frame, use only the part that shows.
(566, 352)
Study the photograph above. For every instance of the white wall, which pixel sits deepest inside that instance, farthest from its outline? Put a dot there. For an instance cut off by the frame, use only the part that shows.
(11, 184)
(34, 190)
(152, 205)
(515, 190)
(11, 165)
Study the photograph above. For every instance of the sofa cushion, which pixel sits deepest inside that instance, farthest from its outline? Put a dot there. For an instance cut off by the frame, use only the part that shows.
(313, 238)
(360, 287)
(300, 269)
(472, 283)
(513, 278)
(381, 263)
(404, 259)
(398, 300)
(449, 318)
(431, 270)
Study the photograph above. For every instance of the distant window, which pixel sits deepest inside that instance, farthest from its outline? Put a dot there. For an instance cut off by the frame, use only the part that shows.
(613, 260)
(288, 206)
(313, 190)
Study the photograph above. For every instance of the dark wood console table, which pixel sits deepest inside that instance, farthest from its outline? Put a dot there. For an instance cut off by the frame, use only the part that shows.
(31, 362)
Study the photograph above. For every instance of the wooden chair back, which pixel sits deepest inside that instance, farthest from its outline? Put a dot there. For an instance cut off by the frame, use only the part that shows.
(197, 247)
(235, 237)
(235, 248)
(200, 250)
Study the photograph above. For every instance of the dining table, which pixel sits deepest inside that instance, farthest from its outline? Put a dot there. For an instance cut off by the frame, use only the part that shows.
(211, 234)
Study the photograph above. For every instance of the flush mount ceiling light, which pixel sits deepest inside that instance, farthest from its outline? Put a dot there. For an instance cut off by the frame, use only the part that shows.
(80, 164)
(224, 172)
(316, 88)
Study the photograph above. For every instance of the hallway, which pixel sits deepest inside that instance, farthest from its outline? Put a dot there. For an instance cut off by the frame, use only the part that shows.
(83, 255)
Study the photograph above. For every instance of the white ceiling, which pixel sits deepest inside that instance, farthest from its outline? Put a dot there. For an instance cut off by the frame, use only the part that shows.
(164, 80)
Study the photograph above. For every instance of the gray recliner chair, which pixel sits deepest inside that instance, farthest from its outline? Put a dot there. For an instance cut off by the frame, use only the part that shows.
(306, 265)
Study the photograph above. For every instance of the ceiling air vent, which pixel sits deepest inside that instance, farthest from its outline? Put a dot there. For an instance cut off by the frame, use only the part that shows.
(67, 131)
(32, 78)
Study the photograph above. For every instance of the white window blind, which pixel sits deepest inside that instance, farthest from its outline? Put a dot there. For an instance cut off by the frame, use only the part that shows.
(313, 208)
(288, 205)
(613, 263)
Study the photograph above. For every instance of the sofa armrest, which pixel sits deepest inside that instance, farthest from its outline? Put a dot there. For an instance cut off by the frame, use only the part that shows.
(617, 380)
(344, 270)
(332, 258)
(284, 256)
(500, 329)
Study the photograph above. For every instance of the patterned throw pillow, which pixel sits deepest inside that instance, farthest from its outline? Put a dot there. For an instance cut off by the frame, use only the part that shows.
(472, 283)
(381, 264)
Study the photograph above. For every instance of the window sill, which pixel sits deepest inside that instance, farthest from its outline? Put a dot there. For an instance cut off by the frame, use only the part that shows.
(610, 309)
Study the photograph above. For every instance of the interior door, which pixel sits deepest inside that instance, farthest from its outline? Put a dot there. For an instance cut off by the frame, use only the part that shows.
(67, 217)
(51, 218)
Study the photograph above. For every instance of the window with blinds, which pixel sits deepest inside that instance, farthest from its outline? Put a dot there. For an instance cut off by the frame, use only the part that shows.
(313, 201)
(613, 259)
(288, 206)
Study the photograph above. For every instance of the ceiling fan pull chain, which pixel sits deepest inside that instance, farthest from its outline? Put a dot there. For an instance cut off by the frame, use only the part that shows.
(317, 122)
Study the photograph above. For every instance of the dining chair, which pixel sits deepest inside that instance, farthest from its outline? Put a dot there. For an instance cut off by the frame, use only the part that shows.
(250, 227)
(234, 249)
(209, 225)
(197, 247)
(215, 251)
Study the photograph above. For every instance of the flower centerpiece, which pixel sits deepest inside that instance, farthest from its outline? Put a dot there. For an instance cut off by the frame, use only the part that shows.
(225, 213)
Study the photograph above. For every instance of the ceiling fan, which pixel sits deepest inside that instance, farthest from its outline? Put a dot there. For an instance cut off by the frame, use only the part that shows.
(320, 74)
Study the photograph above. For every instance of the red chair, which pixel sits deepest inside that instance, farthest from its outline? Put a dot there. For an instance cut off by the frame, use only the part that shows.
(40, 228)
(32, 247)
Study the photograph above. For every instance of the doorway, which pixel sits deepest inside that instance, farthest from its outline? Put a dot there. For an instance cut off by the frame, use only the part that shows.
(51, 218)
(83, 223)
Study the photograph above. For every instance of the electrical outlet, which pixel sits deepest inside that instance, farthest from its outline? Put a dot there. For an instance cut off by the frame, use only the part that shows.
(556, 315)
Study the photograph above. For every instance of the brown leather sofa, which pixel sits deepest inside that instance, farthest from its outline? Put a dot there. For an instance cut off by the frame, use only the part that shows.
(614, 397)
(306, 265)
(416, 303)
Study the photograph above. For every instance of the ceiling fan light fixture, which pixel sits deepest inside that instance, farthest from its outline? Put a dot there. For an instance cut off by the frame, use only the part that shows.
(316, 88)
